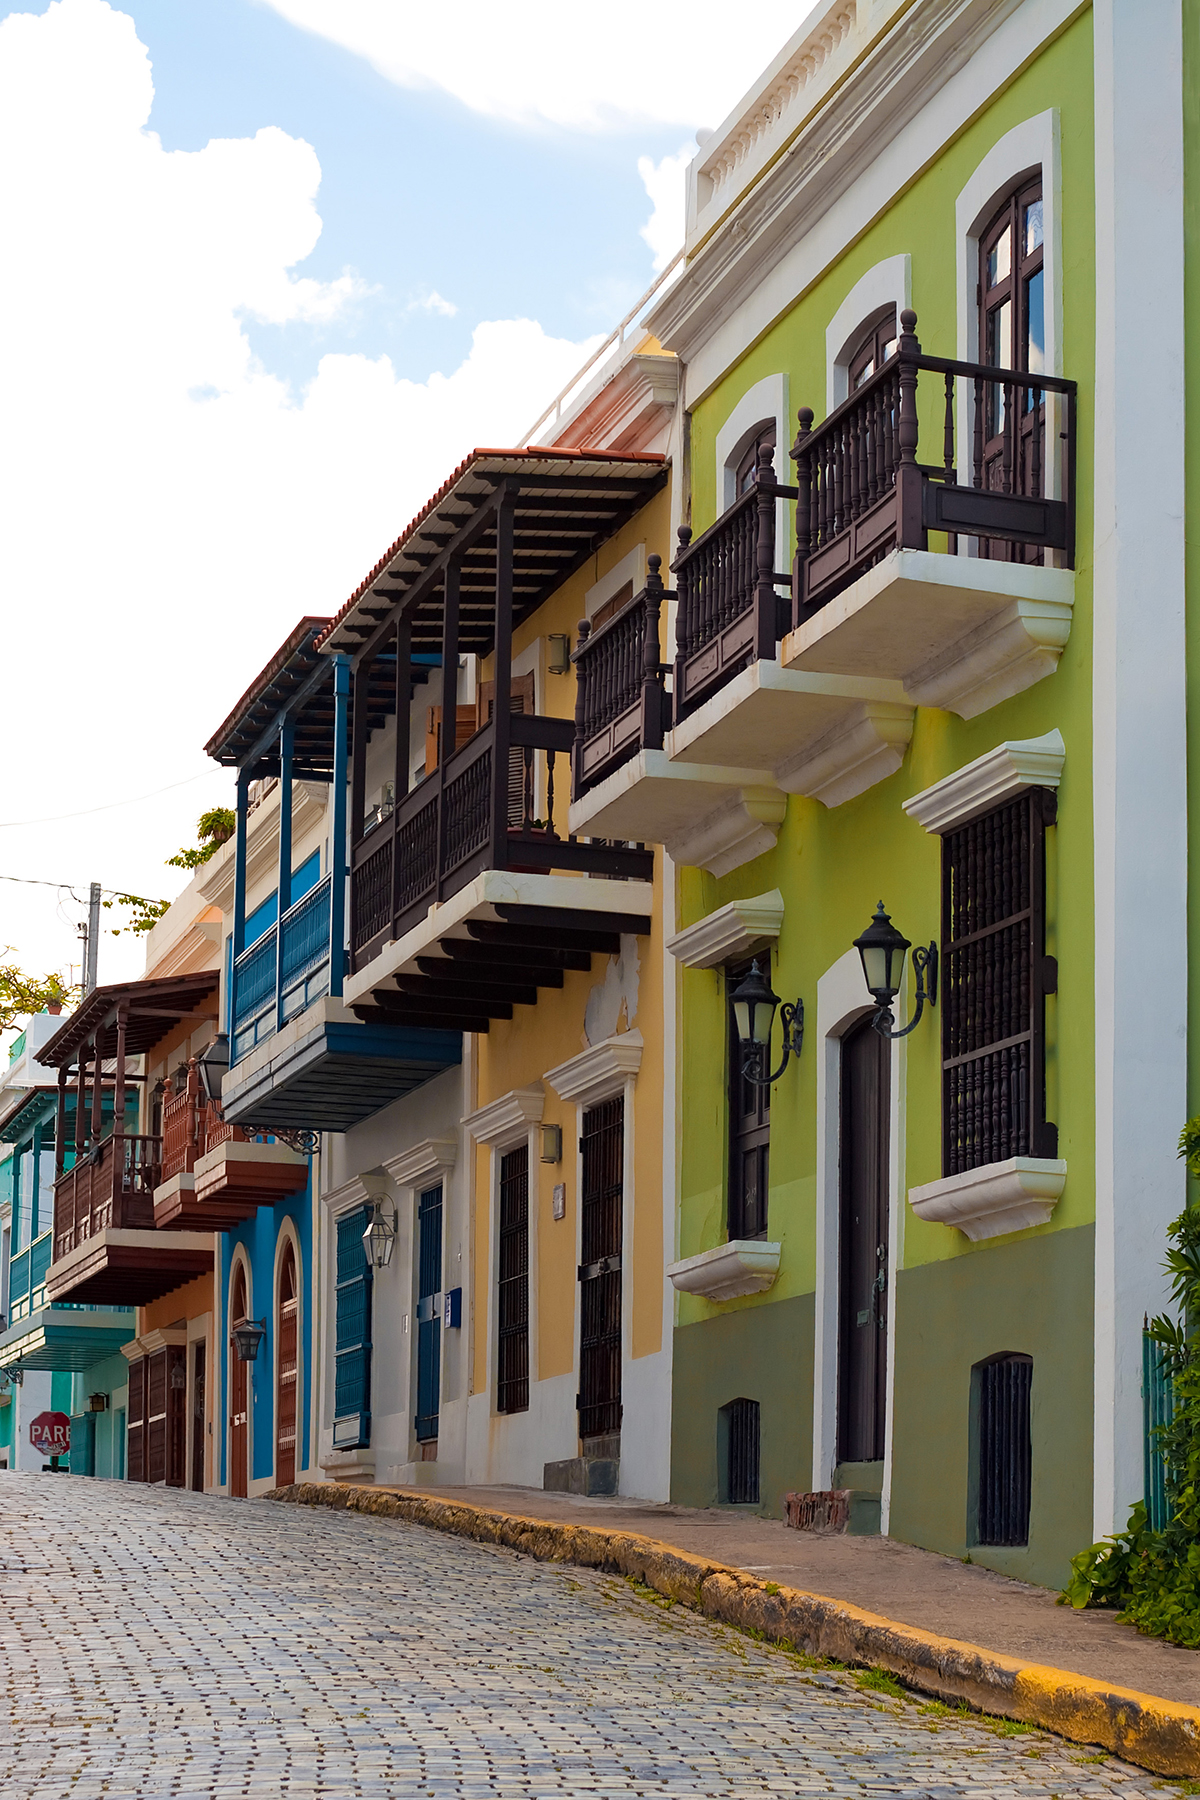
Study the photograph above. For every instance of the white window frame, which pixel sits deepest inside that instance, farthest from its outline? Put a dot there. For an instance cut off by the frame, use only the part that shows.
(888, 283)
(767, 399)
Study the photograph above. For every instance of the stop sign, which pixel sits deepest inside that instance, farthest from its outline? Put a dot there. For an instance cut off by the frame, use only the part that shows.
(50, 1433)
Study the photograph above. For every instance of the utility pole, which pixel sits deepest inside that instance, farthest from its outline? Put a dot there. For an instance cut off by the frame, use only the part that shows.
(90, 934)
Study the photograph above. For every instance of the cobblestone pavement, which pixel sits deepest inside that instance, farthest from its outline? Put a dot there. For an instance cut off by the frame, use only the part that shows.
(160, 1643)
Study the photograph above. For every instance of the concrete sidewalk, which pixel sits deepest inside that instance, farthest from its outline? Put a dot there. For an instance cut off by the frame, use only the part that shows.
(914, 1587)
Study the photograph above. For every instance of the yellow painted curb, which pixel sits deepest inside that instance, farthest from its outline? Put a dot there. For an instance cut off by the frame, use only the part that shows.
(1162, 1735)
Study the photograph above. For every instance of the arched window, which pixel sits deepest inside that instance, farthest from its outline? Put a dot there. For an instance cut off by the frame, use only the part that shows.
(877, 344)
(1012, 335)
(238, 1394)
(763, 437)
(286, 1371)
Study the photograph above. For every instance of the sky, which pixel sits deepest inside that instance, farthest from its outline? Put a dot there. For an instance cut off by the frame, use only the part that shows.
(271, 268)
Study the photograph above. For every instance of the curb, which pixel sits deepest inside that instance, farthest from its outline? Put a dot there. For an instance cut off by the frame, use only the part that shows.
(1161, 1735)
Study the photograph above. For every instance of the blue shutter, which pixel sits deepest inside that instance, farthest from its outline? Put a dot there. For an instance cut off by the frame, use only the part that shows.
(352, 1361)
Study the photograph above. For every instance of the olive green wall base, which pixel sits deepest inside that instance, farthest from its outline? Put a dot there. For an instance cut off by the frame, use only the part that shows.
(762, 1353)
(1033, 1296)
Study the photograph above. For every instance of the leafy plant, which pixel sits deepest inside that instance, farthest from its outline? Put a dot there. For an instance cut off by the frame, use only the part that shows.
(1154, 1576)
(143, 914)
(22, 995)
(213, 828)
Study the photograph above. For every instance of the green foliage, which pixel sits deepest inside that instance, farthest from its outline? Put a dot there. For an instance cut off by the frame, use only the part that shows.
(1154, 1576)
(143, 914)
(22, 995)
(213, 828)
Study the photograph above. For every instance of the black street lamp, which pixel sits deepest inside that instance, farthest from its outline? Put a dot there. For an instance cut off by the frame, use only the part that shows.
(754, 1005)
(247, 1335)
(213, 1064)
(882, 949)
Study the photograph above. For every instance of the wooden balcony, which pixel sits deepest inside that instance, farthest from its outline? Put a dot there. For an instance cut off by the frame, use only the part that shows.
(476, 812)
(112, 1185)
(198, 1145)
(914, 583)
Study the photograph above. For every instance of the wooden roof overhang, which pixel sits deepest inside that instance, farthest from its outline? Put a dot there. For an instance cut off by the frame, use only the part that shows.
(24, 1113)
(152, 1009)
(564, 506)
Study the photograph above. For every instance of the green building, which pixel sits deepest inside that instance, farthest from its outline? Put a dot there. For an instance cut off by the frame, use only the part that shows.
(927, 646)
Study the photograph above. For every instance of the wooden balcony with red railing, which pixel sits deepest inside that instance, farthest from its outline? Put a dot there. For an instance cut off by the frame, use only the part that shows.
(215, 1175)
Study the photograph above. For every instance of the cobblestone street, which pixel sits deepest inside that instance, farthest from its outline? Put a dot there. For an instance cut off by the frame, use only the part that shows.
(163, 1643)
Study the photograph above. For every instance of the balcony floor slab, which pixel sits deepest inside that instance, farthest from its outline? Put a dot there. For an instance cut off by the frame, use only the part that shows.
(479, 900)
(325, 1071)
(959, 632)
(63, 1338)
(129, 1268)
(767, 715)
(706, 816)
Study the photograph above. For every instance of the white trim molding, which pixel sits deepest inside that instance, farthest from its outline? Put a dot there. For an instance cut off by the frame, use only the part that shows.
(631, 568)
(508, 1119)
(600, 1072)
(767, 399)
(997, 1198)
(889, 282)
(1000, 774)
(729, 932)
(360, 1190)
(431, 1157)
(728, 1272)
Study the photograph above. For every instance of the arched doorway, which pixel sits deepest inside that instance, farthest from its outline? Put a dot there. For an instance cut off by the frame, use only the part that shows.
(863, 1245)
(285, 1371)
(238, 1393)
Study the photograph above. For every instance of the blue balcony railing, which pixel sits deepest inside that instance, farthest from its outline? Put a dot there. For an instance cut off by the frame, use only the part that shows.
(283, 972)
(27, 1278)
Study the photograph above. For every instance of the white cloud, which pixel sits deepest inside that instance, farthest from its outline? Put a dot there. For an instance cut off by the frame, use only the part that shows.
(434, 303)
(664, 183)
(171, 508)
(541, 62)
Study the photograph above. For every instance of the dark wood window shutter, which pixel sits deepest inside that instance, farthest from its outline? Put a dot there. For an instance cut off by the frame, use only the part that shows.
(601, 1206)
(352, 1351)
(512, 1360)
(749, 1134)
(995, 978)
(135, 1422)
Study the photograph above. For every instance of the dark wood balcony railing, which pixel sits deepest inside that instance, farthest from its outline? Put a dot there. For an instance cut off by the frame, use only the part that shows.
(192, 1126)
(730, 612)
(468, 816)
(862, 492)
(621, 701)
(112, 1185)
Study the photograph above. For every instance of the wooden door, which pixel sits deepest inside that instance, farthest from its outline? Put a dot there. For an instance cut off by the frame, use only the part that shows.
(602, 1197)
(156, 1417)
(1012, 335)
(429, 1324)
(863, 1245)
(466, 724)
(199, 1422)
(238, 1396)
(521, 803)
(285, 1377)
(135, 1422)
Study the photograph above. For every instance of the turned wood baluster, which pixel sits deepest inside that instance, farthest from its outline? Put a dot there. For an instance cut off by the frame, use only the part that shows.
(1035, 446)
(979, 429)
(802, 457)
(583, 723)
(550, 790)
(948, 453)
(766, 607)
(1010, 418)
(652, 710)
(908, 348)
(684, 623)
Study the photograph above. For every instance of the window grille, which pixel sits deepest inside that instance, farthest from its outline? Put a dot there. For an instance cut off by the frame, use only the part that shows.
(352, 1358)
(512, 1362)
(749, 1134)
(995, 976)
(740, 1420)
(602, 1194)
(1004, 1386)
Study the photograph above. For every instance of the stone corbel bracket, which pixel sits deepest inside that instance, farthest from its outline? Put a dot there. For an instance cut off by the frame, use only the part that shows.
(860, 750)
(995, 1199)
(742, 826)
(729, 1272)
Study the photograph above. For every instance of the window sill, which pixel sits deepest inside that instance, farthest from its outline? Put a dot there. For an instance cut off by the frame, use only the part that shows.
(999, 1197)
(730, 1271)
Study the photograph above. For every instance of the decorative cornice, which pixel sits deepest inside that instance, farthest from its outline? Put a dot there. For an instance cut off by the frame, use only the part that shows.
(730, 1271)
(432, 1156)
(994, 1199)
(989, 781)
(627, 407)
(865, 747)
(731, 931)
(507, 1118)
(360, 1190)
(150, 1341)
(599, 1072)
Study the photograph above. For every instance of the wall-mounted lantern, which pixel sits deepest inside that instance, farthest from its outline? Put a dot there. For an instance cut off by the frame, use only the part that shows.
(551, 1143)
(379, 1239)
(213, 1064)
(246, 1336)
(558, 661)
(754, 1005)
(179, 1377)
(882, 949)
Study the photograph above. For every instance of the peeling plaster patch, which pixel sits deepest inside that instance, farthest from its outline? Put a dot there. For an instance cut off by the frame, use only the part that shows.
(612, 1003)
